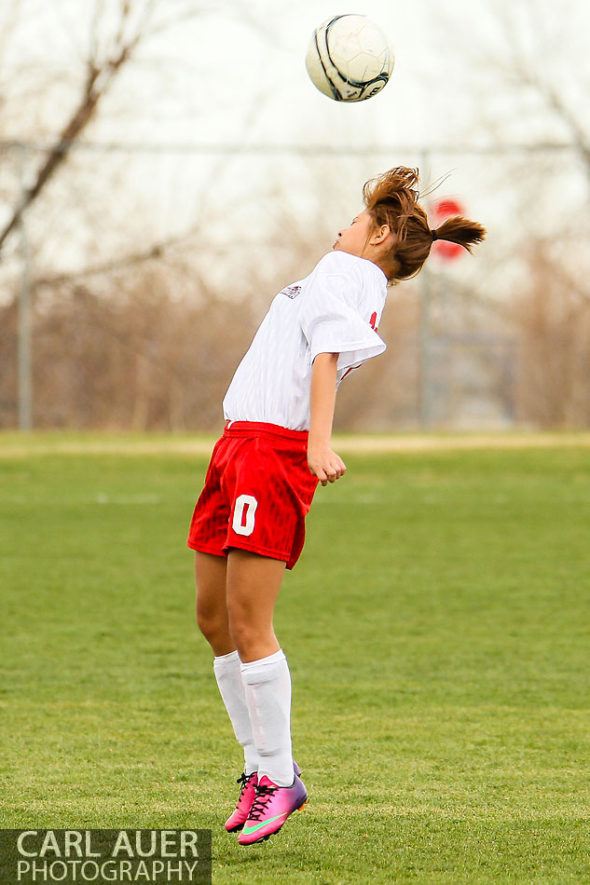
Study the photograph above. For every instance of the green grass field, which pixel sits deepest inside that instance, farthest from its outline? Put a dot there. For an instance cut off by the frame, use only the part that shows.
(438, 634)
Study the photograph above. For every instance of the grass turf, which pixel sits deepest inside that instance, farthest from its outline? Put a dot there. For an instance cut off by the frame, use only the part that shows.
(437, 630)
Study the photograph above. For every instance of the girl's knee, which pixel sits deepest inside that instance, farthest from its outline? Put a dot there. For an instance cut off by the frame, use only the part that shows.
(205, 623)
(214, 628)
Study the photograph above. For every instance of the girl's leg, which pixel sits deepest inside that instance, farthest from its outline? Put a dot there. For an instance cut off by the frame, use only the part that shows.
(212, 619)
(253, 584)
(210, 574)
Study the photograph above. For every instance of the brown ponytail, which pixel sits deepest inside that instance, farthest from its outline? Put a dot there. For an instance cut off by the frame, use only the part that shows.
(461, 231)
(392, 199)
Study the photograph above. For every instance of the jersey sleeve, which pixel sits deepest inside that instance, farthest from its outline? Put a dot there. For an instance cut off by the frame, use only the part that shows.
(331, 317)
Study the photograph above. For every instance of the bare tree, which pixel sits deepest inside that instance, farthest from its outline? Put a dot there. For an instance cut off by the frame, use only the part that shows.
(527, 73)
(110, 48)
(551, 318)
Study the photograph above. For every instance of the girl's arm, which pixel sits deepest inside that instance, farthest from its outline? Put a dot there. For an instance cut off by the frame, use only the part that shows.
(322, 461)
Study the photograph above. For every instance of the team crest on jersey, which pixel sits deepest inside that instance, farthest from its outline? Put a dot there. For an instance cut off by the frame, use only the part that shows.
(291, 291)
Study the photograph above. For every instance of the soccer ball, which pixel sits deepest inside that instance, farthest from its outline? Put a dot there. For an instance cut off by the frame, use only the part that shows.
(349, 58)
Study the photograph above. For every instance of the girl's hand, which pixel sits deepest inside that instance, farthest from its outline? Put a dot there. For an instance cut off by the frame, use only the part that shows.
(325, 463)
(322, 461)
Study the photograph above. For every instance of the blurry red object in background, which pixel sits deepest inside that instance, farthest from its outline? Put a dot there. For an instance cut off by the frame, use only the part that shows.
(439, 211)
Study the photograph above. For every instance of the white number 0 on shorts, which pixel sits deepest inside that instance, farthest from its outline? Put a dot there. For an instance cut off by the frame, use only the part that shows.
(244, 515)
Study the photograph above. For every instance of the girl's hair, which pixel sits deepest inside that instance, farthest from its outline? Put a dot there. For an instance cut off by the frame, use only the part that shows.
(392, 199)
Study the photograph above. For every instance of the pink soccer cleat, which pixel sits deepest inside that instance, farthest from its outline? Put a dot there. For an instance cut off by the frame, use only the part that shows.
(247, 797)
(271, 808)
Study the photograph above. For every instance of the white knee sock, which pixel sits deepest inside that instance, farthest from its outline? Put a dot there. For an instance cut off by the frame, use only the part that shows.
(268, 696)
(229, 679)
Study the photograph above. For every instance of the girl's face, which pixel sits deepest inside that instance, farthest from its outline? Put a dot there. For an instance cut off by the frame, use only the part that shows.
(355, 239)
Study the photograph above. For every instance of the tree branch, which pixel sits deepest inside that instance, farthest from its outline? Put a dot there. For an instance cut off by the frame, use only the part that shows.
(99, 78)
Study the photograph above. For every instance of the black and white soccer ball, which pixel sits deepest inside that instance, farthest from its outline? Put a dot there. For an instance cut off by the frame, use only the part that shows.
(349, 58)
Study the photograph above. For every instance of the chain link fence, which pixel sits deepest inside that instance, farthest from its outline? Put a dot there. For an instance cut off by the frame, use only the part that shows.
(131, 286)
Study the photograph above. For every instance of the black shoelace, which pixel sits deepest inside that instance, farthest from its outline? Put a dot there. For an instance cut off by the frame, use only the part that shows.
(263, 794)
(244, 780)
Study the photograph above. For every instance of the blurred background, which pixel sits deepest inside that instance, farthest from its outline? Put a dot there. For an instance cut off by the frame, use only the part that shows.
(166, 166)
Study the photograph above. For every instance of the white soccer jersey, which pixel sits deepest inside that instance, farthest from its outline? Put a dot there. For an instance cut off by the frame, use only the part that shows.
(336, 309)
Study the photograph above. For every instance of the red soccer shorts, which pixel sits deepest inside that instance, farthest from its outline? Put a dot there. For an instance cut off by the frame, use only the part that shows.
(257, 493)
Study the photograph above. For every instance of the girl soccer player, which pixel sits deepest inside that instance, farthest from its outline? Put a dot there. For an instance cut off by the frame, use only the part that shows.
(248, 525)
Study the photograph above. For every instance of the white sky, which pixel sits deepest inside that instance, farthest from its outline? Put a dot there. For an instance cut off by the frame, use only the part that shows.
(239, 69)
(236, 76)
